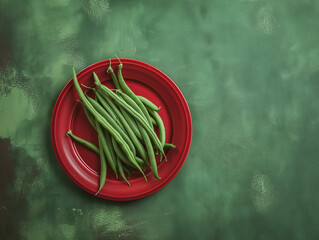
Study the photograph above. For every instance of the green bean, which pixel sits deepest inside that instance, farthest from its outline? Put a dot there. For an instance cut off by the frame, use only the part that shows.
(117, 112)
(109, 145)
(109, 109)
(161, 126)
(148, 104)
(103, 122)
(166, 146)
(123, 158)
(103, 169)
(121, 155)
(105, 114)
(130, 93)
(135, 106)
(154, 122)
(114, 78)
(106, 149)
(121, 171)
(150, 151)
(91, 88)
(132, 124)
(131, 134)
(152, 119)
(89, 116)
(95, 149)
(131, 111)
(169, 145)
(136, 142)
(139, 160)
(85, 143)
(130, 101)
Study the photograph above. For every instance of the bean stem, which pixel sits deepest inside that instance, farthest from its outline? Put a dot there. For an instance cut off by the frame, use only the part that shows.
(113, 76)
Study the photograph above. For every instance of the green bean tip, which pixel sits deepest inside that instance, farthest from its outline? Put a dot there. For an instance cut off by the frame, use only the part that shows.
(88, 87)
(121, 64)
(94, 74)
(109, 69)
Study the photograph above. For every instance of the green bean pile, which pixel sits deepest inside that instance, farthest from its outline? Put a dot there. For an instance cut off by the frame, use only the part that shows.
(124, 123)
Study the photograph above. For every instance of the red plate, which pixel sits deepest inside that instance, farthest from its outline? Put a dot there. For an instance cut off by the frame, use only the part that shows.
(82, 165)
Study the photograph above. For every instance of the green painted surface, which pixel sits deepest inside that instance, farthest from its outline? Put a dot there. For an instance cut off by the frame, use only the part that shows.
(249, 70)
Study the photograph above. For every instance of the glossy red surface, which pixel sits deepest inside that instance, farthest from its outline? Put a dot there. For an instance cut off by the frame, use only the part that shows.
(82, 165)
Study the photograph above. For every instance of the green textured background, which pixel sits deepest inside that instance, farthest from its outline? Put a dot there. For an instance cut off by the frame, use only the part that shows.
(249, 70)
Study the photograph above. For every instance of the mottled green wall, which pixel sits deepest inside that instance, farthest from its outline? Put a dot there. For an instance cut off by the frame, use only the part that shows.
(249, 70)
